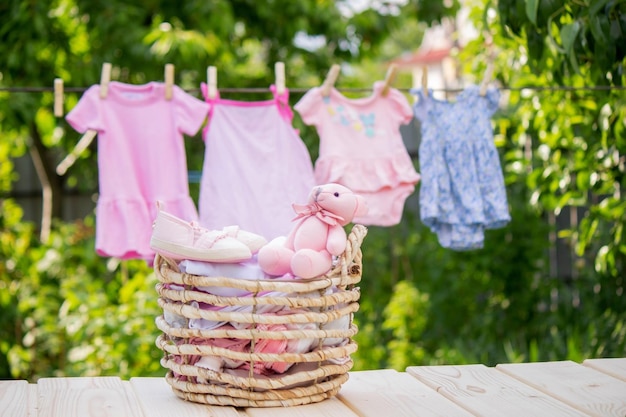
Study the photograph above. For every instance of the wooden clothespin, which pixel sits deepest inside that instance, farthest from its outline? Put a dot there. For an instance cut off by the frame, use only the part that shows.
(415, 76)
(279, 70)
(486, 77)
(90, 134)
(169, 81)
(58, 97)
(105, 78)
(329, 82)
(490, 64)
(80, 147)
(420, 80)
(391, 75)
(211, 74)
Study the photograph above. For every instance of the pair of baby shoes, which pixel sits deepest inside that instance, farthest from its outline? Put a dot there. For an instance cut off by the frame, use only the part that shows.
(178, 239)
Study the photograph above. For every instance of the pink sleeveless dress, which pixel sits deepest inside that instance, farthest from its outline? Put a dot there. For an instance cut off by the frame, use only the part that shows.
(255, 166)
(141, 159)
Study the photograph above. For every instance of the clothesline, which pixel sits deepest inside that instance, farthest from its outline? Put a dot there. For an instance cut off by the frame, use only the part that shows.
(252, 90)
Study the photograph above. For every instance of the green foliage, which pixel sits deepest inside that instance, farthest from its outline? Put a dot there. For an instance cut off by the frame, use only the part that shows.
(67, 312)
(576, 33)
(571, 140)
(406, 317)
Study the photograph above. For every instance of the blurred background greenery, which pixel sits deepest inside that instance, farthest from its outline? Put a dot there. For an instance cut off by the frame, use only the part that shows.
(64, 311)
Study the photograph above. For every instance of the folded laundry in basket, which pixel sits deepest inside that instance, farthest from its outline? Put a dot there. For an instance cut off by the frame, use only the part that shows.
(248, 270)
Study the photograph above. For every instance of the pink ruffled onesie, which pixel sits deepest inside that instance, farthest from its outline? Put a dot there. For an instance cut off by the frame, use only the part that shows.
(141, 159)
(362, 149)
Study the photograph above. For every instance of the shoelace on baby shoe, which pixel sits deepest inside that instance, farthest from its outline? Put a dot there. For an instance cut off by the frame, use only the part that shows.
(231, 231)
(206, 237)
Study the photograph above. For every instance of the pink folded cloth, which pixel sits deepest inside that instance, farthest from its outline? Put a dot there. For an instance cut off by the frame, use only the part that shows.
(282, 345)
(269, 346)
(274, 346)
(237, 345)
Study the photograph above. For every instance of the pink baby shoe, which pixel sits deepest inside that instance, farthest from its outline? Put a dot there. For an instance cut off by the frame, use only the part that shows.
(253, 241)
(178, 239)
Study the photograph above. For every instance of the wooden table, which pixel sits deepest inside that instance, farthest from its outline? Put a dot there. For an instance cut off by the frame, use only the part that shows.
(597, 387)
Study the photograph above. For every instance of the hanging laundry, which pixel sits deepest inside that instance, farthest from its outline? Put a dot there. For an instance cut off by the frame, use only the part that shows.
(362, 149)
(141, 159)
(255, 166)
(462, 191)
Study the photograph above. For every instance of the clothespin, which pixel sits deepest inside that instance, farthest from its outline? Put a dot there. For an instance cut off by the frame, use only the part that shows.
(490, 64)
(279, 70)
(58, 97)
(486, 77)
(105, 78)
(211, 74)
(391, 75)
(329, 82)
(80, 147)
(415, 74)
(90, 134)
(169, 80)
(420, 78)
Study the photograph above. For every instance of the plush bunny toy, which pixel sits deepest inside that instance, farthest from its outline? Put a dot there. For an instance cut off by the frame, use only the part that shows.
(317, 236)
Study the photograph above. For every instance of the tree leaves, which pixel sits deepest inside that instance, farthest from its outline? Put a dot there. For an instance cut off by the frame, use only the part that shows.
(582, 35)
(568, 36)
(596, 5)
(531, 10)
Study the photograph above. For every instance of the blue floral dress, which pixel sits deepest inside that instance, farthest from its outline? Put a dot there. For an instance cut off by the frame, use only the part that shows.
(462, 189)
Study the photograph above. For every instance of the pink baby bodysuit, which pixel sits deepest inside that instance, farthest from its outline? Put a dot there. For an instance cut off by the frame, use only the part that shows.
(255, 166)
(362, 149)
(141, 159)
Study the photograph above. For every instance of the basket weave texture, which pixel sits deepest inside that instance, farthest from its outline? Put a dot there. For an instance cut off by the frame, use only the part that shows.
(308, 309)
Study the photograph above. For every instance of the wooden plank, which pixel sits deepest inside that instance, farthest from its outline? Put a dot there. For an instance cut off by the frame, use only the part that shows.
(85, 397)
(32, 400)
(377, 393)
(584, 388)
(616, 367)
(156, 399)
(13, 398)
(331, 407)
(487, 392)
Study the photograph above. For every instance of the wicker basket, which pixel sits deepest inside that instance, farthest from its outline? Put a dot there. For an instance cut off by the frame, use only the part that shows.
(307, 307)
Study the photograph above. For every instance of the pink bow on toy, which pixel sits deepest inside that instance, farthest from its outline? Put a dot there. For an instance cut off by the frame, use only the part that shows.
(316, 210)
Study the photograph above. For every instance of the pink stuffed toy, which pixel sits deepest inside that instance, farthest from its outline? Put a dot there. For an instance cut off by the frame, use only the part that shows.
(318, 235)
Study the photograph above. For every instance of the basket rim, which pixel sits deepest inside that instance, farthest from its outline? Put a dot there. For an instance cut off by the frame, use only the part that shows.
(347, 271)
(170, 276)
